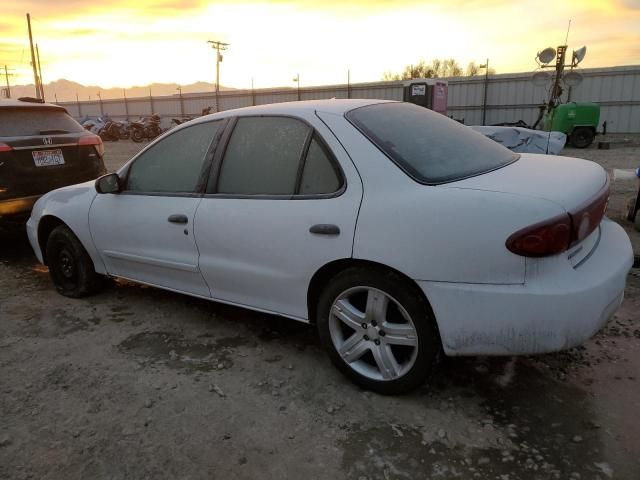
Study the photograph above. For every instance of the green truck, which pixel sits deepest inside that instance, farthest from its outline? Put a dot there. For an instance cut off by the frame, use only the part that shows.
(577, 120)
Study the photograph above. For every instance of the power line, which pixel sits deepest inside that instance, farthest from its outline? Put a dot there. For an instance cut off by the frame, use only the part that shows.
(218, 47)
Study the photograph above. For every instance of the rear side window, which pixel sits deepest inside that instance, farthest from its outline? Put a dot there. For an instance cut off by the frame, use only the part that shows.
(263, 156)
(428, 146)
(319, 175)
(174, 164)
(20, 122)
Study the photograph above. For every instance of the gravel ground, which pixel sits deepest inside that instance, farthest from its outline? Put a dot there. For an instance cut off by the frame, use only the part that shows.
(141, 383)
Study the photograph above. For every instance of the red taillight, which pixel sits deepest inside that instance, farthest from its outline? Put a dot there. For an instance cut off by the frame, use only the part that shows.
(5, 148)
(588, 216)
(93, 140)
(546, 238)
(558, 234)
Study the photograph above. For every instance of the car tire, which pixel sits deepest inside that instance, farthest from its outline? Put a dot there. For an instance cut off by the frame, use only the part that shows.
(70, 266)
(401, 342)
(581, 137)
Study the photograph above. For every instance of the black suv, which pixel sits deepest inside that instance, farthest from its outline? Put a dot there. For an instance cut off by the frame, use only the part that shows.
(42, 148)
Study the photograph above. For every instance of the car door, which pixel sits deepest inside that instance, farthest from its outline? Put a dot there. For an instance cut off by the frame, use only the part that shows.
(145, 232)
(281, 203)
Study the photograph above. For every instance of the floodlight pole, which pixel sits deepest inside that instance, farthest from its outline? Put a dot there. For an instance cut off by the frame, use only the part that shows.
(557, 89)
(181, 101)
(297, 80)
(126, 106)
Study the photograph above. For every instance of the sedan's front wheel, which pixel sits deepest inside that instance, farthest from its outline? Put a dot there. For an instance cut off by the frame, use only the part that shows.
(378, 329)
(70, 266)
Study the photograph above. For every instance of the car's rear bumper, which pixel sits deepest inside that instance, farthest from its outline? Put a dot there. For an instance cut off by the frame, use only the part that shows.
(557, 307)
(17, 206)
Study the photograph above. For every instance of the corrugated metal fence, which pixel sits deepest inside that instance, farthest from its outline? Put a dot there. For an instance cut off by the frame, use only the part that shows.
(510, 97)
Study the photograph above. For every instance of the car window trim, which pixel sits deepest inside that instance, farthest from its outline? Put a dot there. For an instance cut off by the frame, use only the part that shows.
(212, 186)
(204, 171)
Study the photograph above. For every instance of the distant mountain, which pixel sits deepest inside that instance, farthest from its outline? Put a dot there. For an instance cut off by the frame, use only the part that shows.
(66, 90)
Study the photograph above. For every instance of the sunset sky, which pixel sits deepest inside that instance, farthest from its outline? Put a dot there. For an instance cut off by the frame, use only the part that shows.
(133, 42)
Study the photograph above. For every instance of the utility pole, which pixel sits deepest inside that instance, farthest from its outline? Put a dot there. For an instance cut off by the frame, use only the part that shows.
(79, 106)
(486, 84)
(6, 76)
(40, 72)
(218, 47)
(151, 101)
(33, 59)
(348, 83)
(253, 93)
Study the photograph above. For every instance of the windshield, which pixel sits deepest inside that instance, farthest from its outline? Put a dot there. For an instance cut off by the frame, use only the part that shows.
(428, 146)
(20, 122)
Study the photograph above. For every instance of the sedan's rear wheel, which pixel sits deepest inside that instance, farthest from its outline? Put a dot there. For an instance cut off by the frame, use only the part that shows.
(378, 330)
(70, 266)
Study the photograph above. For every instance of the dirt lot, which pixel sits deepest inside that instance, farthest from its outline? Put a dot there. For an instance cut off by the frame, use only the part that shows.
(141, 383)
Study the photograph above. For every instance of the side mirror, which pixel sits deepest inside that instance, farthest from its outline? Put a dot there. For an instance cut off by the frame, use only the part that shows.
(109, 183)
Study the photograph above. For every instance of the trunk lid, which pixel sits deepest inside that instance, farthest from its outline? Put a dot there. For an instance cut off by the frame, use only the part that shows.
(568, 182)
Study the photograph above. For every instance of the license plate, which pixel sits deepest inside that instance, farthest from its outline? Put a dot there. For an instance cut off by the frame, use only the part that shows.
(46, 158)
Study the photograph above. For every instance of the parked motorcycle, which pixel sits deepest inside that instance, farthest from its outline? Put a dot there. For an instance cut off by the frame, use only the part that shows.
(147, 128)
(110, 131)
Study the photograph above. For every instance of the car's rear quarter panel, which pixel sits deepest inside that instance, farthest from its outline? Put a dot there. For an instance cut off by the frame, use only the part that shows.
(434, 232)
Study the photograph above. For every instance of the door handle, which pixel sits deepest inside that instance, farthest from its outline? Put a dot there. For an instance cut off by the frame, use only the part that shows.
(178, 218)
(325, 229)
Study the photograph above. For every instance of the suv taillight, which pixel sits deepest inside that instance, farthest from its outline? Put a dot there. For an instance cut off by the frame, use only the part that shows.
(5, 148)
(560, 233)
(93, 140)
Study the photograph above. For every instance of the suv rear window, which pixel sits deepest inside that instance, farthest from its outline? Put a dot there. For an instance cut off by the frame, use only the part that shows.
(428, 146)
(20, 122)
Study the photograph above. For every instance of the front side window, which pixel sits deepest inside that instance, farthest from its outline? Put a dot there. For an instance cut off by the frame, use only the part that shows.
(428, 146)
(263, 156)
(174, 164)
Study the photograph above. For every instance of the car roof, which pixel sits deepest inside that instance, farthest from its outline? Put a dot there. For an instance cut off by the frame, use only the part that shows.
(334, 105)
(11, 103)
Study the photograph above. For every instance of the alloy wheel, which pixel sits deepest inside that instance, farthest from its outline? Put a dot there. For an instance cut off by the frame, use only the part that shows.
(373, 333)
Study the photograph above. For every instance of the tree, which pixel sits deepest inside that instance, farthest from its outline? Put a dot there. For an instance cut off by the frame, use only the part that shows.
(438, 68)
(474, 69)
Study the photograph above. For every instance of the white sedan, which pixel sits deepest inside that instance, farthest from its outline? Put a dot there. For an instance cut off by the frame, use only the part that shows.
(398, 232)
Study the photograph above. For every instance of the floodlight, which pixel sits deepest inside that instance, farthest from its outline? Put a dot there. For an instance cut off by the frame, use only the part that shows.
(540, 79)
(572, 78)
(578, 55)
(546, 55)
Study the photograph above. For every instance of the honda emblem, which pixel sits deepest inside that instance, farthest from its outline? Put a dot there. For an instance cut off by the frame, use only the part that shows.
(47, 140)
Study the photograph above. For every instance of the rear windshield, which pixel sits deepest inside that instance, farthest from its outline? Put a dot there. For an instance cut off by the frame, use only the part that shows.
(428, 146)
(20, 122)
